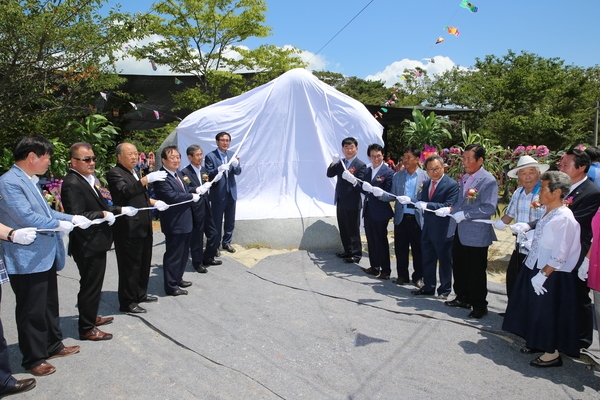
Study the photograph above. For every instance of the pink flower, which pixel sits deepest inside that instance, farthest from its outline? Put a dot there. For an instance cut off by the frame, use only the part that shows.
(518, 151)
(568, 201)
(542, 151)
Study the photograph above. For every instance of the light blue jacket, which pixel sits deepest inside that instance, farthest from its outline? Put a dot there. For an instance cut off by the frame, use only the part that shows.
(22, 206)
(398, 182)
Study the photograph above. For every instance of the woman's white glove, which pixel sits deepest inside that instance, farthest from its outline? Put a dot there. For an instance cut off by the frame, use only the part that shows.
(520, 227)
(582, 272)
(538, 284)
(24, 236)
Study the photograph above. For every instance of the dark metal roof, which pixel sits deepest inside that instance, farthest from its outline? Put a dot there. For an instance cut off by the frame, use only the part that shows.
(397, 115)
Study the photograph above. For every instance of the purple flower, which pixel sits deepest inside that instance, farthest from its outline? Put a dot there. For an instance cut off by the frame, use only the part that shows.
(542, 151)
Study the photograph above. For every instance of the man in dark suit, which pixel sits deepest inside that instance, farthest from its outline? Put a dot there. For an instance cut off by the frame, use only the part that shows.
(223, 193)
(88, 247)
(203, 219)
(438, 191)
(133, 235)
(377, 213)
(176, 222)
(347, 199)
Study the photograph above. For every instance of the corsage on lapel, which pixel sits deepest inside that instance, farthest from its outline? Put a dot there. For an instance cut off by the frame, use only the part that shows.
(568, 201)
(351, 170)
(471, 194)
(421, 185)
(186, 179)
(204, 177)
(379, 178)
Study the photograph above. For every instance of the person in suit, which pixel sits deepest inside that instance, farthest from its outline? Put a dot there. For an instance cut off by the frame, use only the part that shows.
(347, 199)
(377, 213)
(223, 193)
(438, 191)
(133, 235)
(33, 269)
(176, 222)
(88, 247)
(203, 219)
(406, 186)
(9, 385)
(477, 199)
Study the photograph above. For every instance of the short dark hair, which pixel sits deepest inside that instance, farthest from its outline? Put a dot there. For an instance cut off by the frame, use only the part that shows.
(594, 153)
(349, 140)
(477, 149)
(434, 158)
(164, 154)
(76, 146)
(192, 149)
(221, 134)
(581, 159)
(412, 149)
(374, 146)
(36, 144)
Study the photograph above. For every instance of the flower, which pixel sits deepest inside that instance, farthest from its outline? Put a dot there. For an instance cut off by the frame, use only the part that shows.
(518, 151)
(204, 177)
(351, 170)
(379, 178)
(186, 179)
(104, 193)
(542, 151)
(471, 194)
(421, 185)
(568, 201)
(535, 204)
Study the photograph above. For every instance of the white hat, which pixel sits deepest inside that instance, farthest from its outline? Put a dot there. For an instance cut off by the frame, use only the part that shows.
(525, 162)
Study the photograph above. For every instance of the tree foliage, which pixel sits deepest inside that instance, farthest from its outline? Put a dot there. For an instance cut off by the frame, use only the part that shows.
(426, 130)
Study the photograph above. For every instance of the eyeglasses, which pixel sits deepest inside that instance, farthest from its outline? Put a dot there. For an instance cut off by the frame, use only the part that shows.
(438, 169)
(86, 160)
(224, 140)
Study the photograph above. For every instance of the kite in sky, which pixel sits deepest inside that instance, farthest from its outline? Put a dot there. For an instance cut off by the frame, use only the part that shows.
(452, 30)
(439, 40)
(469, 6)
(430, 60)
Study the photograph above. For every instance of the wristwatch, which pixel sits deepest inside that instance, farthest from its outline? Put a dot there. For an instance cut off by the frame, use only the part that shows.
(543, 273)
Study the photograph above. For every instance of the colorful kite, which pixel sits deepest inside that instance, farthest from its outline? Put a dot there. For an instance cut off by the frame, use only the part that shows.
(452, 30)
(439, 40)
(153, 65)
(469, 6)
(178, 82)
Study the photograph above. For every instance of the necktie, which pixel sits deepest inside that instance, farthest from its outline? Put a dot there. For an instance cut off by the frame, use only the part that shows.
(179, 180)
(224, 157)
(432, 189)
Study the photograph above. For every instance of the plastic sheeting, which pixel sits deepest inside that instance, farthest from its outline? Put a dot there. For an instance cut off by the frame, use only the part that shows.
(285, 133)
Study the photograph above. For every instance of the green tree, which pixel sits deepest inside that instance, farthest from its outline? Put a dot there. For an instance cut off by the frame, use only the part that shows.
(426, 130)
(203, 37)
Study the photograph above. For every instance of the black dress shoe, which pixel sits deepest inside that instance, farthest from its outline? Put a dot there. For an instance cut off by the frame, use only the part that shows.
(383, 276)
(352, 260)
(371, 271)
(228, 248)
(478, 312)
(400, 281)
(527, 350)
(418, 283)
(343, 255)
(457, 303)
(539, 363)
(148, 299)
(421, 292)
(133, 309)
(212, 261)
(178, 292)
(21, 386)
(200, 269)
(185, 284)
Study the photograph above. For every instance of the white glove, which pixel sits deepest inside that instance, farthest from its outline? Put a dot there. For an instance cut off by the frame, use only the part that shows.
(161, 205)
(235, 162)
(195, 197)
(538, 284)
(204, 188)
(335, 159)
(421, 205)
(24, 236)
(223, 167)
(347, 175)
(367, 187)
(156, 176)
(129, 211)
(403, 199)
(520, 227)
(65, 226)
(582, 272)
(81, 221)
(110, 218)
(443, 212)
(377, 191)
(499, 224)
(459, 216)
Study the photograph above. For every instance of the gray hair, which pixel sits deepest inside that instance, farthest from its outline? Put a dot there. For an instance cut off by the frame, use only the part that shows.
(192, 149)
(557, 180)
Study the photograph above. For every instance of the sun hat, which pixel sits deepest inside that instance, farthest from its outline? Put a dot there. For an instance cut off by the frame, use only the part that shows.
(525, 162)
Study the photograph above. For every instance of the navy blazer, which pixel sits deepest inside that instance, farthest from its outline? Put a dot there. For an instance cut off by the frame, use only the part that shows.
(218, 191)
(379, 210)
(202, 207)
(175, 220)
(446, 194)
(347, 197)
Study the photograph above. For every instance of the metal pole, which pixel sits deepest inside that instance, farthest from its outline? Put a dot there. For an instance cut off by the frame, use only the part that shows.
(596, 125)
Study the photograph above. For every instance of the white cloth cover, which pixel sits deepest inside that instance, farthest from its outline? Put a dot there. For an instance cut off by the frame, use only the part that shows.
(288, 130)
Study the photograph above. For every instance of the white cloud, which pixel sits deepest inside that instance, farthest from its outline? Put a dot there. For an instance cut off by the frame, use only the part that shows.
(390, 74)
(315, 62)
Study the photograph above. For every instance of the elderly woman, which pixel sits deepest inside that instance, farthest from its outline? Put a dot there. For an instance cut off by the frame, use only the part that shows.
(543, 308)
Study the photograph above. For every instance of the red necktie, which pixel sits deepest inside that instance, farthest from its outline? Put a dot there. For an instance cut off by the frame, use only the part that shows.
(179, 180)
(432, 189)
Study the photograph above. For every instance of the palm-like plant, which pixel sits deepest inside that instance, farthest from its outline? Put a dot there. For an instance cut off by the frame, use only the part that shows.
(426, 130)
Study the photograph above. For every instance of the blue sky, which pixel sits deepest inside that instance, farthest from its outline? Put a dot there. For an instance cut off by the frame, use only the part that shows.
(391, 35)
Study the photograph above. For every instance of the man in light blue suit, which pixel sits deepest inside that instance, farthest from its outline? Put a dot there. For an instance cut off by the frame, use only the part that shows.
(32, 269)
(477, 199)
(223, 193)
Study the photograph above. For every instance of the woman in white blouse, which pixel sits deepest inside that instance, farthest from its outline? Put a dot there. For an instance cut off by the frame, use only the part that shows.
(543, 309)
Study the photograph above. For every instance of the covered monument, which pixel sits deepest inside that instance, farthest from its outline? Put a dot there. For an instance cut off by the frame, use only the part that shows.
(285, 133)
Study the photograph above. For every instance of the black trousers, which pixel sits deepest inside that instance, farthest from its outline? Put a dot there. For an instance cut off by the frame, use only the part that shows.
(177, 251)
(7, 381)
(406, 233)
(209, 229)
(377, 243)
(349, 226)
(134, 255)
(469, 268)
(91, 271)
(37, 318)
